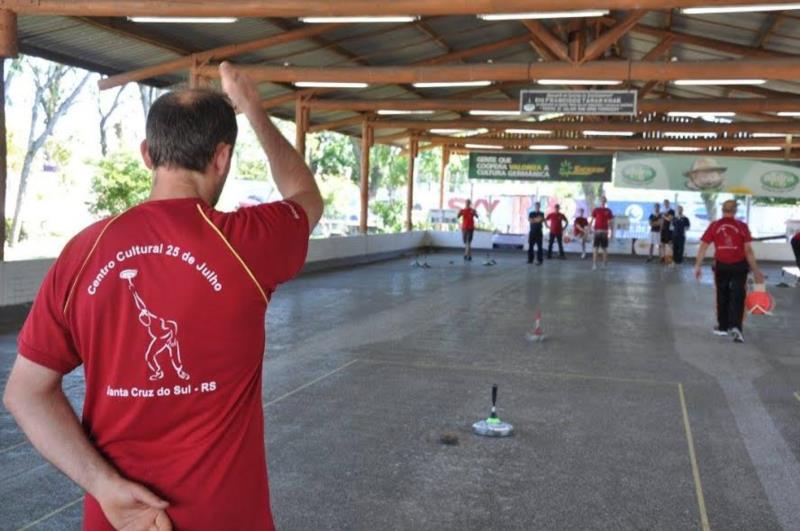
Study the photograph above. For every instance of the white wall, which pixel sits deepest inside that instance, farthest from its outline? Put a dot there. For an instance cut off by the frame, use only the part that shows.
(19, 281)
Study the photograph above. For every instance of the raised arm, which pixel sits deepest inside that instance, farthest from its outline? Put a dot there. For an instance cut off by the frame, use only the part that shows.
(292, 175)
(35, 398)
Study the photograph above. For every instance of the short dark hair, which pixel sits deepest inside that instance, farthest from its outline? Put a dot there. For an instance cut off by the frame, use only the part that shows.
(184, 128)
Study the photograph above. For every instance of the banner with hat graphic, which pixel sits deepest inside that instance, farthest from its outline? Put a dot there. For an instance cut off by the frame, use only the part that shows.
(704, 173)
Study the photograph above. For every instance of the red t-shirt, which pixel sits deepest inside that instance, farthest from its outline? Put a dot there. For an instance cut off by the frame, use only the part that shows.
(164, 306)
(796, 236)
(580, 222)
(728, 236)
(554, 222)
(602, 218)
(467, 218)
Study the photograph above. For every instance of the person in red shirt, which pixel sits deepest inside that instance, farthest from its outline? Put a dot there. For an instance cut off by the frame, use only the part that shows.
(581, 229)
(733, 259)
(467, 215)
(556, 222)
(603, 231)
(164, 307)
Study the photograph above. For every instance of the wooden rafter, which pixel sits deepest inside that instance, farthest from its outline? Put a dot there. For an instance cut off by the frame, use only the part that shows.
(553, 44)
(611, 36)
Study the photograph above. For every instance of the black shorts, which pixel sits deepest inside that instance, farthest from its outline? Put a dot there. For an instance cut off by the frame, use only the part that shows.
(666, 237)
(601, 240)
(466, 234)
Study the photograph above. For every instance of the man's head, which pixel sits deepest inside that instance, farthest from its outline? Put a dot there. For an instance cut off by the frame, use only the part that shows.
(558, 208)
(680, 210)
(666, 204)
(656, 208)
(469, 203)
(537, 206)
(603, 201)
(729, 208)
(192, 132)
(580, 212)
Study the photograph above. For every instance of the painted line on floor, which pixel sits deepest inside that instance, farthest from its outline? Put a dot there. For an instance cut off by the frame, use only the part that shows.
(9, 448)
(698, 486)
(309, 384)
(51, 514)
(563, 375)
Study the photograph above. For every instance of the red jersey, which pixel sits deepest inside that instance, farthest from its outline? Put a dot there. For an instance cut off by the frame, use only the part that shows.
(796, 237)
(580, 222)
(555, 222)
(729, 237)
(164, 306)
(602, 218)
(467, 218)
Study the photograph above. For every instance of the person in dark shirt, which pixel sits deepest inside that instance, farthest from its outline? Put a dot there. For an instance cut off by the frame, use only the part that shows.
(655, 229)
(680, 224)
(796, 248)
(665, 250)
(557, 222)
(536, 220)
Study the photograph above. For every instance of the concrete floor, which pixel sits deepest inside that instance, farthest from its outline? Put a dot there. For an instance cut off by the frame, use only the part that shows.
(368, 367)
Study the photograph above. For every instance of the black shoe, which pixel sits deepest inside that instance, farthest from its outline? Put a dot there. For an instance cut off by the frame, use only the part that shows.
(469, 259)
(530, 261)
(538, 263)
(562, 257)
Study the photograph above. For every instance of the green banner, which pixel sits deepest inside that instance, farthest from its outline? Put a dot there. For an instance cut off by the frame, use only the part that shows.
(539, 167)
(704, 173)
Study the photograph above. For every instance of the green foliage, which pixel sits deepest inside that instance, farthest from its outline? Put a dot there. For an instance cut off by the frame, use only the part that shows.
(23, 235)
(252, 169)
(332, 154)
(120, 182)
(391, 213)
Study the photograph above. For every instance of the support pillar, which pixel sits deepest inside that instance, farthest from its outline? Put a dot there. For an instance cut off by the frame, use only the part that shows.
(366, 144)
(301, 119)
(443, 174)
(8, 48)
(413, 149)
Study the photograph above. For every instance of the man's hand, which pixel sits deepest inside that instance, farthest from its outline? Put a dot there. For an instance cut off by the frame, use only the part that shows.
(242, 91)
(698, 272)
(129, 506)
(758, 276)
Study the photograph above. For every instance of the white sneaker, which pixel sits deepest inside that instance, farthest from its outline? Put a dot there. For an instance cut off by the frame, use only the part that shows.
(583, 256)
(594, 267)
(717, 332)
(737, 335)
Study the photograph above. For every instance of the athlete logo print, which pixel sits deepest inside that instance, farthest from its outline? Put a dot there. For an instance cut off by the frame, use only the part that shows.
(163, 334)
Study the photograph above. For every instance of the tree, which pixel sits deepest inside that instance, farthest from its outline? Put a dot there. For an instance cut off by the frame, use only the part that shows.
(710, 201)
(13, 70)
(53, 99)
(104, 117)
(121, 182)
(147, 95)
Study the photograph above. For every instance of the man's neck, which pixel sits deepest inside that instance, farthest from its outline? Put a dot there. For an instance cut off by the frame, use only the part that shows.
(175, 184)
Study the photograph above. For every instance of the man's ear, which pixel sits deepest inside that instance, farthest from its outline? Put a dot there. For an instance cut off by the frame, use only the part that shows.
(146, 155)
(222, 159)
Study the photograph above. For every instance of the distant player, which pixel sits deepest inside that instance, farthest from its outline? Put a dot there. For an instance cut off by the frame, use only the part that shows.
(581, 230)
(666, 250)
(655, 230)
(468, 215)
(603, 232)
(536, 234)
(796, 248)
(680, 225)
(733, 259)
(557, 222)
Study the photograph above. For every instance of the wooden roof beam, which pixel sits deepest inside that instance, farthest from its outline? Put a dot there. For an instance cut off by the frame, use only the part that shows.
(612, 143)
(284, 8)
(636, 127)
(652, 105)
(216, 54)
(774, 69)
(607, 39)
(553, 44)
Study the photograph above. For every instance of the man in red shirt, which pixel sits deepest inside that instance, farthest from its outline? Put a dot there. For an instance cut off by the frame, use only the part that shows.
(467, 215)
(164, 307)
(603, 231)
(556, 222)
(733, 259)
(581, 225)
